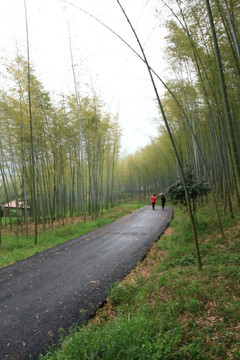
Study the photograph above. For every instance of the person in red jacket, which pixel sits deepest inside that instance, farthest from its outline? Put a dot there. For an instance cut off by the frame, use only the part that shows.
(153, 201)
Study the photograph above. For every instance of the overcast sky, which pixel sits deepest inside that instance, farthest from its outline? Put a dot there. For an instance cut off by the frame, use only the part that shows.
(101, 58)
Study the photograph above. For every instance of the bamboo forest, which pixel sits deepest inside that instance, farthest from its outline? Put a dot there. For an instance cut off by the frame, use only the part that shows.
(62, 159)
(120, 179)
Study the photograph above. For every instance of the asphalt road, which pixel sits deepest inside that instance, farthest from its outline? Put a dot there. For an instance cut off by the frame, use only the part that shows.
(66, 284)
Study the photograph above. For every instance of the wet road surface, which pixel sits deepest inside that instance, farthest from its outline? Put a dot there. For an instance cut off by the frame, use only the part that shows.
(66, 284)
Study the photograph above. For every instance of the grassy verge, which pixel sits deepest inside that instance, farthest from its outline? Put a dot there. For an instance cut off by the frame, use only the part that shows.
(14, 249)
(166, 309)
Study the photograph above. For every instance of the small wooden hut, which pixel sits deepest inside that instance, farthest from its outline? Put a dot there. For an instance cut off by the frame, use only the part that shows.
(17, 207)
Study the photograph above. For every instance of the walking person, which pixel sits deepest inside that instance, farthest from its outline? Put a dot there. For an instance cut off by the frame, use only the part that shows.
(153, 201)
(163, 200)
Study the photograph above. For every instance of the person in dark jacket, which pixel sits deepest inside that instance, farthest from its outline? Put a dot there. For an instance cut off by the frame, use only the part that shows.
(163, 200)
(153, 201)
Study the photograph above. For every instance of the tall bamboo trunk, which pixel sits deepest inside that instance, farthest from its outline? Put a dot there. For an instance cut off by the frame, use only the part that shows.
(34, 203)
(83, 191)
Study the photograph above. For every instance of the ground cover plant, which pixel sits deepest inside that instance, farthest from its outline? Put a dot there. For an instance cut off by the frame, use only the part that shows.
(14, 248)
(166, 308)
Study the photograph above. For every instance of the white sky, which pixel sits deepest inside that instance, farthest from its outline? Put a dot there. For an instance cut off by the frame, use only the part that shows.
(116, 73)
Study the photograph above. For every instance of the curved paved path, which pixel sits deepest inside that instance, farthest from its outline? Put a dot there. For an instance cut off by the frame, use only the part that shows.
(66, 284)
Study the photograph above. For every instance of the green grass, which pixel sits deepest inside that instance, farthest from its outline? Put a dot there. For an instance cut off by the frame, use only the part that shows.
(14, 249)
(166, 309)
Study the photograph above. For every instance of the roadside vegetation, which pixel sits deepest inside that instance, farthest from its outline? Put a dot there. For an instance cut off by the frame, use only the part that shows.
(14, 248)
(166, 308)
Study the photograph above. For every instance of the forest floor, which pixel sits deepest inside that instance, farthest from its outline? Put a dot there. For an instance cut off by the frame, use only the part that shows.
(6, 229)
